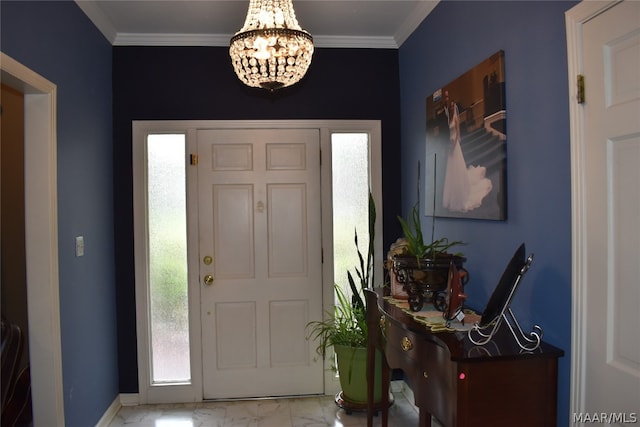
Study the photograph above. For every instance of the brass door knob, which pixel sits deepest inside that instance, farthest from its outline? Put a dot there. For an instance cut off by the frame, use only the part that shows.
(208, 279)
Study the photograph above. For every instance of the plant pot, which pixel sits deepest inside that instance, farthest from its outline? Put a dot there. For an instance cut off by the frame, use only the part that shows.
(352, 368)
(422, 278)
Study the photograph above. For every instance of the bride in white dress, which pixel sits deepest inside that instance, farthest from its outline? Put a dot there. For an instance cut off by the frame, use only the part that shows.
(464, 188)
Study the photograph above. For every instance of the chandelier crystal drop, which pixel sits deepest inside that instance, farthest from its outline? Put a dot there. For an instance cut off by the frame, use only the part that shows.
(271, 51)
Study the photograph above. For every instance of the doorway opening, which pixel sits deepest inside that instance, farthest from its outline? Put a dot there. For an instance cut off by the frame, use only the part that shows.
(41, 238)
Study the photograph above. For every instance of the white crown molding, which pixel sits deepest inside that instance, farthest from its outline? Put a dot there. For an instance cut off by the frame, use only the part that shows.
(222, 40)
(422, 10)
(99, 19)
(141, 39)
(355, 42)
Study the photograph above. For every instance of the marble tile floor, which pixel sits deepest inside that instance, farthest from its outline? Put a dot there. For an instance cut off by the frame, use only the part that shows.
(317, 411)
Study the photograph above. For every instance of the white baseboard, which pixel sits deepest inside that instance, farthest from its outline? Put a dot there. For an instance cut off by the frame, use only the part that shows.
(123, 399)
(110, 413)
(129, 399)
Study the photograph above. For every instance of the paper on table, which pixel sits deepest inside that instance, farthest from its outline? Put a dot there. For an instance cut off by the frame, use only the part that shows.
(434, 320)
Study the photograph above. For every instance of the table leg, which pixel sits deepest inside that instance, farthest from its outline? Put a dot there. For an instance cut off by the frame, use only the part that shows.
(424, 418)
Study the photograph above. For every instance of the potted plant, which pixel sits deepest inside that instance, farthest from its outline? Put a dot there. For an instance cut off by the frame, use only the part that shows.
(345, 330)
(421, 267)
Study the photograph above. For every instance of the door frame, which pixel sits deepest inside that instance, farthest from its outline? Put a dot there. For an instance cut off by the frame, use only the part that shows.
(193, 391)
(575, 18)
(41, 239)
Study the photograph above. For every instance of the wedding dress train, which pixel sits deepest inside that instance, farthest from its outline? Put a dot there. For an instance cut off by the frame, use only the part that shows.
(464, 187)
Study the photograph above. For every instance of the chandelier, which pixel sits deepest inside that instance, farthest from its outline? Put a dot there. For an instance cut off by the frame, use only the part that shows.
(271, 51)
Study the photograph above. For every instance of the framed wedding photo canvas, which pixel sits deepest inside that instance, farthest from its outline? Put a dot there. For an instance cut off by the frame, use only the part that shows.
(466, 145)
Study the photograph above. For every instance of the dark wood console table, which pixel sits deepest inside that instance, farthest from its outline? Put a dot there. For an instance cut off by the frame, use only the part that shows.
(459, 383)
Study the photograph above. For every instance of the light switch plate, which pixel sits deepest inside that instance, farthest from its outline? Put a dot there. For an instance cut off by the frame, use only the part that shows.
(79, 245)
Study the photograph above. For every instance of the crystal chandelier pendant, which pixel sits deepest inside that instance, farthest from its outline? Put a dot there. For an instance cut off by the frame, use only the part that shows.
(271, 51)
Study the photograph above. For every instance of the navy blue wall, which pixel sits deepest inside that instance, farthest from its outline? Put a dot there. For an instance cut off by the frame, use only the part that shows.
(56, 40)
(160, 83)
(454, 38)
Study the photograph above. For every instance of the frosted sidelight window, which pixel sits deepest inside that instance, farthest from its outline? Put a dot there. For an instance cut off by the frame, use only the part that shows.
(168, 296)
(350, 171)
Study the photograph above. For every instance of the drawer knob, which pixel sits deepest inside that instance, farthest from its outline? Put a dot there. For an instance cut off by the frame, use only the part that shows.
(406, 344)
(383, 325)
(424, 374)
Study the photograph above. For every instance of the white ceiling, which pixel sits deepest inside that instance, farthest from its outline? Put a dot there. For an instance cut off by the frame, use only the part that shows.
(332, 23)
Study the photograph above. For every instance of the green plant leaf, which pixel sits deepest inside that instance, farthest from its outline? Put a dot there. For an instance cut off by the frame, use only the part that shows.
(346, 323)
(356, 298)
(415, 240)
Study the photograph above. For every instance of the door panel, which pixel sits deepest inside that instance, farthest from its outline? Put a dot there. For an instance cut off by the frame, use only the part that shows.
(230, 157)
(287, 230)
(234, 230)
(259, 221)
(288, 338)
(236, 320)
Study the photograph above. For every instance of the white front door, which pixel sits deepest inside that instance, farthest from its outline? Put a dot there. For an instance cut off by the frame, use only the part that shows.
(609, 237)
(260, 261)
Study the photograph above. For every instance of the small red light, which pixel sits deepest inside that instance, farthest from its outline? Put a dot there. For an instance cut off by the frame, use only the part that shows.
(462, 375)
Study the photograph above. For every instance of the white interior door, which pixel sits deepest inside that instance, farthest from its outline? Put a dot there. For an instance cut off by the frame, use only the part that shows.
(260, 243)
(610, 177)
